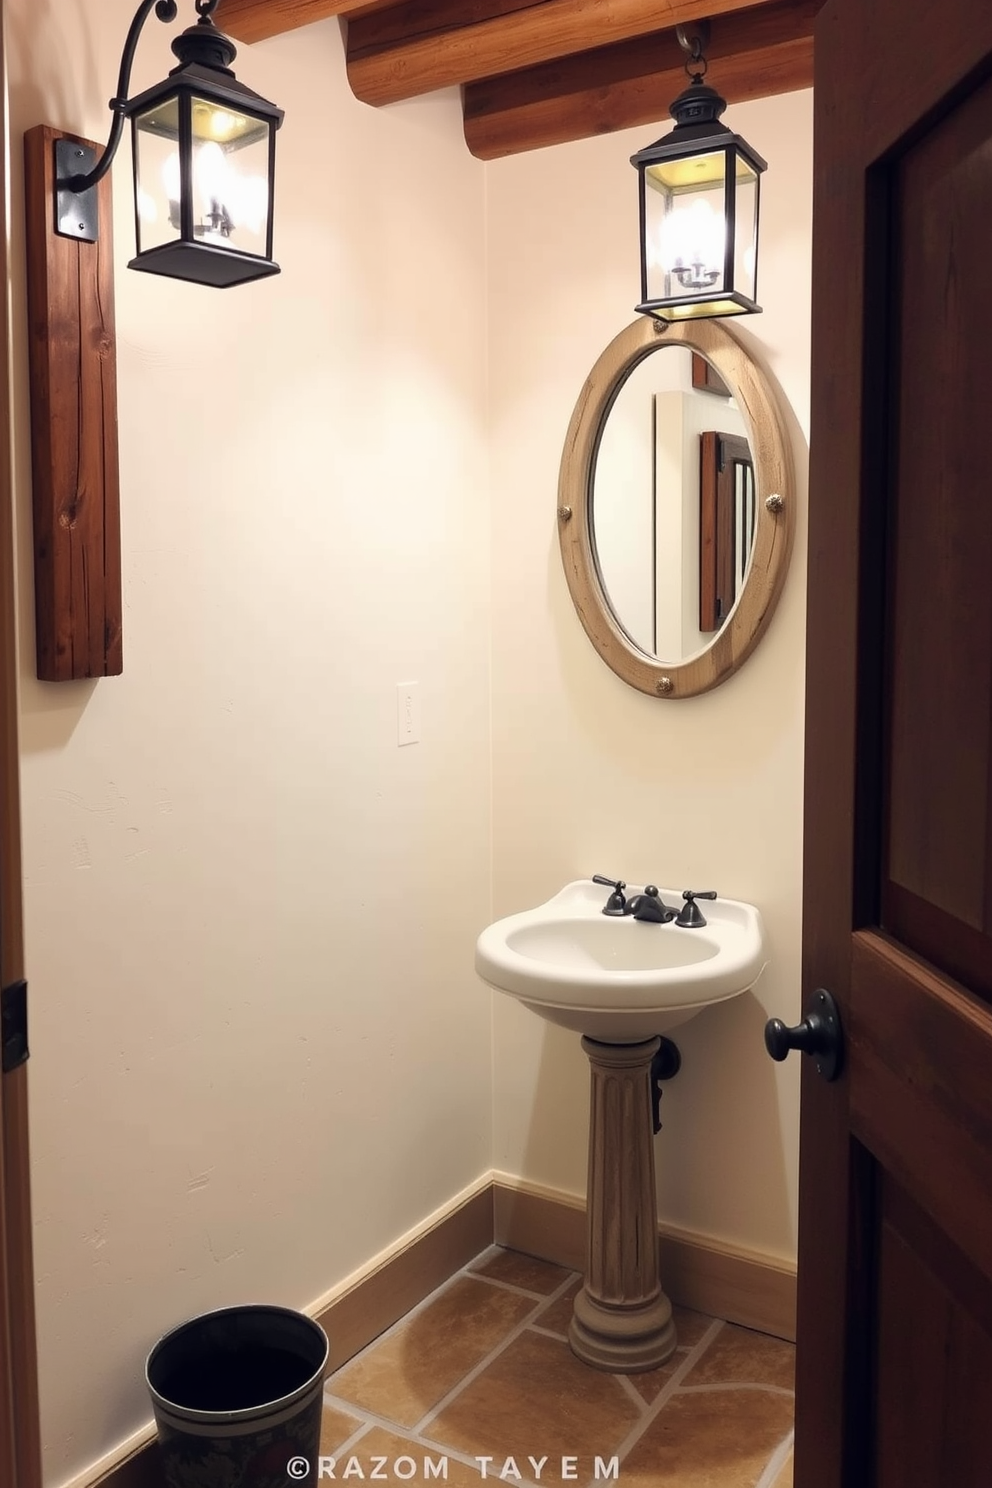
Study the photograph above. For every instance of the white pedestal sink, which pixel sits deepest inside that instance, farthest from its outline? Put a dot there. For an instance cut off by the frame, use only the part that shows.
(621, 983)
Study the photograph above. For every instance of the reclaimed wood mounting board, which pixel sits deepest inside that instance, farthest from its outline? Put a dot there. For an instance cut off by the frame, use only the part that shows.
(73, 380)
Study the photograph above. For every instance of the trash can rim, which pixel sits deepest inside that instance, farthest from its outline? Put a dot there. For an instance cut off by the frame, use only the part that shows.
(246, 1413)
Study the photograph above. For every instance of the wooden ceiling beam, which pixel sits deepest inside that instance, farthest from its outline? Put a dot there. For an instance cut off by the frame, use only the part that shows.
(753, 53)
(257, 20)
(402, 50)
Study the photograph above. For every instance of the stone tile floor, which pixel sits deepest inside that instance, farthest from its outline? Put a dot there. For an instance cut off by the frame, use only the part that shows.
(478, 1382)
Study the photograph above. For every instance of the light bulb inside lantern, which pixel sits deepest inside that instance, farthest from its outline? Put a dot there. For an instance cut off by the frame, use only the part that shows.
(224, 200)
(147, 210)
(248, 202)
(209, 174)
(692, 244)
(170, 176)
(211, 182)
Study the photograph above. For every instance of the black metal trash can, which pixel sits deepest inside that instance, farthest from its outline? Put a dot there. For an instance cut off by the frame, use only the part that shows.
(237, 1395)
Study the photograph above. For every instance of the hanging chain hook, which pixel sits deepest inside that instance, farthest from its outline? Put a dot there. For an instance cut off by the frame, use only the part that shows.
(692, 39)
(205, 8)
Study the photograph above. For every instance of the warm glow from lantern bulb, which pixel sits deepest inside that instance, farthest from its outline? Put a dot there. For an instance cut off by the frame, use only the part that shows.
(249, 204)
(242, 200)
(147, 210)
(170, 176)
(222, 124)
(210, 174)
(692, 242)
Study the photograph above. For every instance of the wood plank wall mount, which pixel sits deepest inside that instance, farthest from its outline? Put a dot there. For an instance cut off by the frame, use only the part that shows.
(75, 465)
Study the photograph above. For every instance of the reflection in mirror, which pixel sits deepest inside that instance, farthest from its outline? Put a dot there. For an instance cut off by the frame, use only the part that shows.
(672, 504)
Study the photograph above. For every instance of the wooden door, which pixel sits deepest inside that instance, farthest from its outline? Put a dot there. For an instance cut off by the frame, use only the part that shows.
(20, 1442)
(894, 1385)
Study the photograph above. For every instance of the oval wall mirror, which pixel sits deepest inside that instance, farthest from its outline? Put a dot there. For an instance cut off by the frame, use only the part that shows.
(676, 505)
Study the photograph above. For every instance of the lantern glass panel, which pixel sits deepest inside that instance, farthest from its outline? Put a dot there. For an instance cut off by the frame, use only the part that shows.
(230, 175)
(685, 227)
(746, 230)
(156, 174)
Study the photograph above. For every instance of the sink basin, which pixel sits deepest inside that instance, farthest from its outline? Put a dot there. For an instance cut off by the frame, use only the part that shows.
(620, 980)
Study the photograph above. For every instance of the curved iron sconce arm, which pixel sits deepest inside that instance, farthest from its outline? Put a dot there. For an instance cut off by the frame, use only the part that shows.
(165, 10)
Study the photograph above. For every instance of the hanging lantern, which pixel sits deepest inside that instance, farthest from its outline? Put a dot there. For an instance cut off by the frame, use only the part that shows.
(698, 190)
(204, 162)
(204, 166)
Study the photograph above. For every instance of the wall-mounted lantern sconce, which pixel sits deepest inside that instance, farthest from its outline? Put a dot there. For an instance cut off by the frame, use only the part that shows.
(698, 187)
(204, 160)
(204, 151)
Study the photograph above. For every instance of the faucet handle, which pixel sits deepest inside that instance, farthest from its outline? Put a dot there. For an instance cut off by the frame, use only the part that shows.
(616, 904)
(689, 916)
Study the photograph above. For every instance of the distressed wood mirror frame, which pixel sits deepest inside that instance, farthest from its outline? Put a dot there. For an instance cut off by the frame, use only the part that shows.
(760, 402)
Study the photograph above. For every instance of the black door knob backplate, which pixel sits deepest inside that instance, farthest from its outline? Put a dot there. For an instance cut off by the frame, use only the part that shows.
(818, 1034)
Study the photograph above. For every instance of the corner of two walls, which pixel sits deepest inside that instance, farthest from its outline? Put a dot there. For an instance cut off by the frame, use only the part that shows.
(260, 1052)
(591, 776)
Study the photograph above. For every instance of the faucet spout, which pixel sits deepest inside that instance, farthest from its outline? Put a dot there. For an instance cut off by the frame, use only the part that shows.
(650, 907)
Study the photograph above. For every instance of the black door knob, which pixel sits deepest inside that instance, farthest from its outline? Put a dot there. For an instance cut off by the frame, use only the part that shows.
(818, 1034)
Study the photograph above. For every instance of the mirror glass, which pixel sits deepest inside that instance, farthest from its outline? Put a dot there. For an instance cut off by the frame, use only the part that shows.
(672, 507)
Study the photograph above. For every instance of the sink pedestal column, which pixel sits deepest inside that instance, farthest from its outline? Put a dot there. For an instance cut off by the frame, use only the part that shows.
(622, 1319)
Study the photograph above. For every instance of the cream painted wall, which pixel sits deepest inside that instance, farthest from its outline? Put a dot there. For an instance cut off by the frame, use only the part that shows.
(591, 776)
(260, 1053)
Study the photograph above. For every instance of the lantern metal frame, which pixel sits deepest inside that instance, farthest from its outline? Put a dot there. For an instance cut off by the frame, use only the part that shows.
(204, 72)
(698, 132)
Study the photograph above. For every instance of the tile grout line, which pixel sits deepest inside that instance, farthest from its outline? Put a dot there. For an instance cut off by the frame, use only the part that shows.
(657, 1406)
(417, 1308)
(549, 1333)
(509, 1286)
(370, 1421)
(489, 1358)
(416, 1434)
(629, 1388)
(363, 1428)
(445, 1286)
(366, 1417)
(468, 1461)
(777, 1461)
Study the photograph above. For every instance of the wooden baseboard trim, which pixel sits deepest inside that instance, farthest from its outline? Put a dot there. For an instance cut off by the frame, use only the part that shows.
(141, 1468)
(742, 1286)
(382, 1296)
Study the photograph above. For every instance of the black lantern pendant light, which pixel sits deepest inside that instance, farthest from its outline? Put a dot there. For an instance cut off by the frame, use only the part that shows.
(698, 190)
(204, 162)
